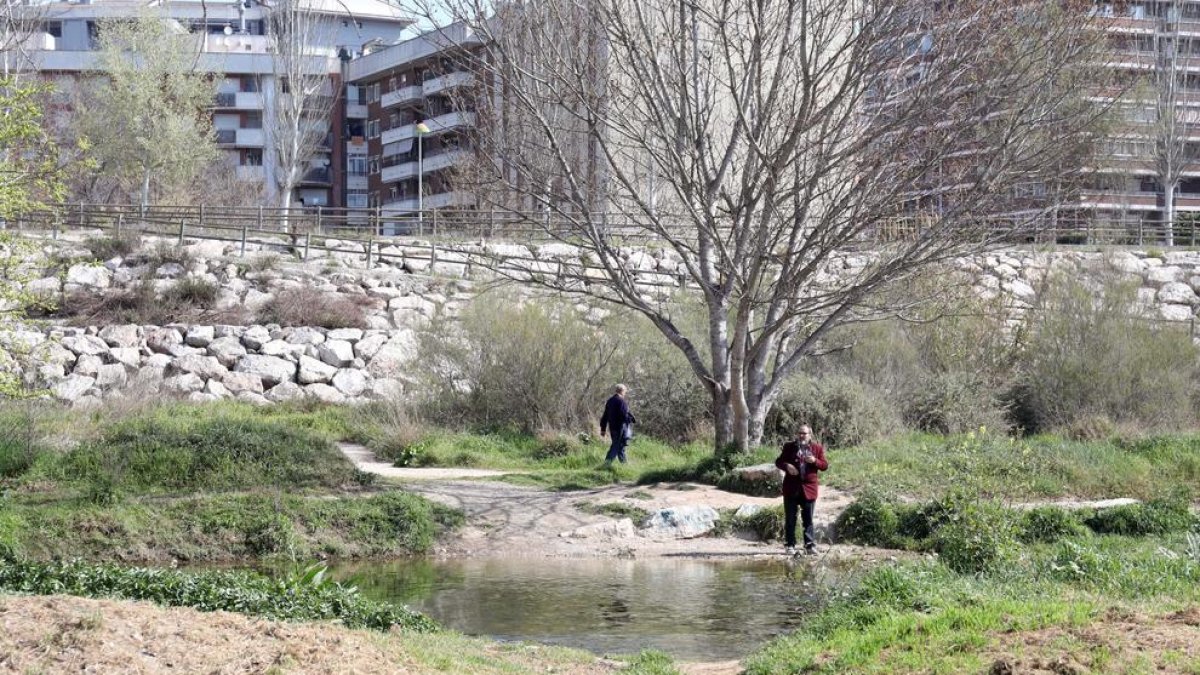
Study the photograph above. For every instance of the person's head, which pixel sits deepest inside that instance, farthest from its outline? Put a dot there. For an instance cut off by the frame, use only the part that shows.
(620, 390)
(804, 433)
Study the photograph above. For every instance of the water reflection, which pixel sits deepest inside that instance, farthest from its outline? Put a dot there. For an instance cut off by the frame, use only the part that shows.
(694, 610)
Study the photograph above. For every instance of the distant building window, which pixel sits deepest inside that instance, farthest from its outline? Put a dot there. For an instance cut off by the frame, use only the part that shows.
(252, 157)
(372, 128)
(394, 192)
(374, 165)
(54, 28)
(356, 199)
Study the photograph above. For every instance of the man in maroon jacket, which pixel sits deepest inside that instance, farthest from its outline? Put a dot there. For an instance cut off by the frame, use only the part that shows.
(800, 460)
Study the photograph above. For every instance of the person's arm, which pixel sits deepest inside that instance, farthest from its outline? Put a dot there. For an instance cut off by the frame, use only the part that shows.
(628, 414)
(819, 460)
(604, 419)
(784, 464)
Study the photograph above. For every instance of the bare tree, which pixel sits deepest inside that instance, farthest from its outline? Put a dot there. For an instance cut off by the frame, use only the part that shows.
(791, 143)
(21, 33)
(298, 114)
(1173, 155)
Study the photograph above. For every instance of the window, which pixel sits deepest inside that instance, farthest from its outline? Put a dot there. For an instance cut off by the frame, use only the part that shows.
(373, 165)
(393, 120)
(54, 28)
(391, 84)
(372, 200)
(373, 93)
(373, 129)
(252, 157)
(356, 166)
(356, 199)
(394, 192)
(252, 120)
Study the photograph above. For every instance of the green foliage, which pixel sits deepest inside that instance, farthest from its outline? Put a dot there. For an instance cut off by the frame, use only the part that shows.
(616, 510)
(977, 538)
(1158, 516)
(19, 447)
(870, 520)
(650, 662)
(107, 248)
(839, 408)
(1146, 375)
(244, 592)
(955, 402)
(147, 119)
(766, 524)
(1049, 524)
(192, 291)
(30, 175)
(273, 535)
(737, 482)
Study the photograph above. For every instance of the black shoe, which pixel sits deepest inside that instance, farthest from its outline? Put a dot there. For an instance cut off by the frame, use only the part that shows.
(810, 550)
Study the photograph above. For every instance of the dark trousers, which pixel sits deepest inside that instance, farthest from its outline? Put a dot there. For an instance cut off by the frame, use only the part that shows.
(617, 449)
(805, 506)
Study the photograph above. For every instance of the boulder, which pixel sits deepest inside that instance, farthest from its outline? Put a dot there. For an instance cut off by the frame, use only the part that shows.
(88, 364)
(255, 300)
(85, 345)
(1163, 275)
(239, 383)
(614, 529)
(169, 270)
(1176, 293)
(111, 375)
(272, 370)
(337, 353)
(304, 336)
(350, 382)
(347, 334)
(217, 389)
(72, 387)
(287, 391)
(313, 371)
(255, 337)
(681, 522)
(126, 356)
(87, 275)
(227, 350)
(162, 340)
(385, 389)
(324, 393)
(283, 349)
(200, 336)
(394, 357)
(1176, 312)
(182, 385)
(252, 398)
(127, 335)
(206, 367)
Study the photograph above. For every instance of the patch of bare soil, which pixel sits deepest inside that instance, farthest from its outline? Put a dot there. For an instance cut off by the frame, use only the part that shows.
(1120, 642)
(58, 634)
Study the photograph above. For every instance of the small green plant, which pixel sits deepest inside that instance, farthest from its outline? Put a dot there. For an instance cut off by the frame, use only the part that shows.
(274, 535)
(1049, 524)
(107, 248)
(1157, 516)
(305, 306)
(192, 292)
(978, 538)
(650, 662)
(766, 524)
(870, 520)
(615, 510)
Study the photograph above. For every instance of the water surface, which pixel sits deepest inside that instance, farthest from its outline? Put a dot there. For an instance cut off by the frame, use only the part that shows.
(693, 610)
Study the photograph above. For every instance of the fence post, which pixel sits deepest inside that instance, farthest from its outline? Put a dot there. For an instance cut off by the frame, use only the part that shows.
(319, 219)
(182, 229)
(57, 218)
(259, 223)
(81, 222)
(432, 256)
(435, 224)
(245, 227)
(307, 241)
(120, 222)
(370, 245)
(201, 216)
(491, 231)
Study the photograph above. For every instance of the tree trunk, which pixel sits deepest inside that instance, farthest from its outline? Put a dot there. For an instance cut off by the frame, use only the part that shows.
(145, 201)
(1169, 214)
(722, 419)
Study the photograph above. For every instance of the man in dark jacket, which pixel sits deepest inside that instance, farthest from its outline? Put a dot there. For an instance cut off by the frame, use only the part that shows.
(800, 460)
(617, 421)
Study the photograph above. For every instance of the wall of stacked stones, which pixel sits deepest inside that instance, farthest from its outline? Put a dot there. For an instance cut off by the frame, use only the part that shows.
(267, 363)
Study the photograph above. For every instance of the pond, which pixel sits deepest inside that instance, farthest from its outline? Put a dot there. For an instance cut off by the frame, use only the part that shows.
(694, 610)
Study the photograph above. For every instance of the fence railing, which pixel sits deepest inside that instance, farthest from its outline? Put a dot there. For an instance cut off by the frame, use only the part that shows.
(536, 227)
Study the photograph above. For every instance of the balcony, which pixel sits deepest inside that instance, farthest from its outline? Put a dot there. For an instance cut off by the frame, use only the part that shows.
(412, 50)
(356, 111)
(429, 164)
(448, 81)
(226, 136)
(357, 182)
(250, 173)
(240, 100)
(1131, 201)
(438, 201)
(317, 177)
(401, 95)
(356, 147)
(252, 138)
(446, 122)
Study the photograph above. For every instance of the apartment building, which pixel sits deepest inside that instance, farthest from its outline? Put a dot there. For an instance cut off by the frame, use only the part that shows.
(411, 127)
(233, 45)
(1153, 52)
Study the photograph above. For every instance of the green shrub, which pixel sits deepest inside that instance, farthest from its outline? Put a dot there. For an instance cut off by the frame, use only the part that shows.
(840, 410)
(18, 447)
(1146, 376)
(871, 520)
(556, 447)
(771, 486)
(978, 538)
(650, 662)
(1157, 516)
(766, 524)
(954, 403)
(192, 292)
(243, 592)
(1049, 524)
(107, 248)
(271, 536)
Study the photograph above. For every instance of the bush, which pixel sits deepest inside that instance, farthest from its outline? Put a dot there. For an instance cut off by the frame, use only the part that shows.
(192, 292)
(243, 592)
(978, 538)
(954, 403)
(555, 447)
(871, 520)
(1157, 516)
(1146, 375)
(270, 536)
(766, 524)
(840, 410)
(18, 449)
(306, 306)
(1049, 524)
(107, 248)
(771, 486)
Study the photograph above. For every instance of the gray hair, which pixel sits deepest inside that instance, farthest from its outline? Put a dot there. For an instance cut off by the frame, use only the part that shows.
(620, 389)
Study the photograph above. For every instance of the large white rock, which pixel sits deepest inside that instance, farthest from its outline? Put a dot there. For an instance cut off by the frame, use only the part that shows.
(369, 345)
(256, 299)
(44, 288)
(337, 353)
(162, 340)
(88, 276)
(169, 270)
(304, 336)
(183, 384)
(111, 375)
(394, 357)
(199, 336)
(227, 350)
(239, 383)
(324, 393)
(1179, 313)
(1126, 262)
(1176, 293)
(215, 388)
(88, 345)
(288, 391)
(314, 371)
(72, 387)
(255, 337)
(88, 364)
(614, 529)
(681, 521)
(272, 370)
(1163, 275)
(385, 389)
(252, 398)
(283, 349)
(350, 382)
(206, 367)
(347, 334)
(126, 356)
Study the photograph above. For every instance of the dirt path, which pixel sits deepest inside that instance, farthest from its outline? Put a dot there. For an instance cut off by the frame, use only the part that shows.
(511, 520)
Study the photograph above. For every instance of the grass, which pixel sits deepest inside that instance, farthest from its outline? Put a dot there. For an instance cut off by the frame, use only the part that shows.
(923, 617)
(615, 510)
(922, 465)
